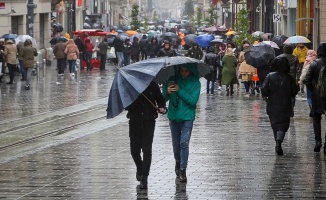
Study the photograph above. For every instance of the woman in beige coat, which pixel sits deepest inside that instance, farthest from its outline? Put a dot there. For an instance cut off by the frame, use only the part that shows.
(11, 57)
(245, 71)
(72, 53)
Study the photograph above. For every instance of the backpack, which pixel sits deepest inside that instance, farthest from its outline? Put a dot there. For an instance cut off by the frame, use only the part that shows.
(321, 83)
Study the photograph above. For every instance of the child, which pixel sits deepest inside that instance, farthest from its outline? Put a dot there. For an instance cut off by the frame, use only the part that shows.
(279, 87)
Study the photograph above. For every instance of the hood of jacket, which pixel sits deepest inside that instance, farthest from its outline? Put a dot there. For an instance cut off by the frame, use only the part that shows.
(87, 40)
(281, 64)
(28, 42)
(9, 42)
(192, 67)
(321, 51)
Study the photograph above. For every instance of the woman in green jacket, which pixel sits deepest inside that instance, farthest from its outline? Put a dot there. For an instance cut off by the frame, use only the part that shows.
(182, 91)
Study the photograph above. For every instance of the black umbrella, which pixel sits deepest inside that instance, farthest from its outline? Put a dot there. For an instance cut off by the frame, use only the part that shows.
(279, 39)
(189, 39)
(259, 54)
(131, 80)
(216, 41)
(169, 35)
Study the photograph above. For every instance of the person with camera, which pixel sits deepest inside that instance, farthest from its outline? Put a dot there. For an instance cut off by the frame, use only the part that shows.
(182, 91)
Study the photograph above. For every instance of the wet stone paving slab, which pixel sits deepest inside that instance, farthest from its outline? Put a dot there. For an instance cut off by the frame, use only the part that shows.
(231, 152)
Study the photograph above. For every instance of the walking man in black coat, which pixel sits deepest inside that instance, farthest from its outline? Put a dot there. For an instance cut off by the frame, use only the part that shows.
(279, 87)
(142, 115)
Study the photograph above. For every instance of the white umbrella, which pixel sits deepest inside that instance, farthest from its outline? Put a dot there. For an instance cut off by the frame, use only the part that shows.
(272, 44)
(23, 38)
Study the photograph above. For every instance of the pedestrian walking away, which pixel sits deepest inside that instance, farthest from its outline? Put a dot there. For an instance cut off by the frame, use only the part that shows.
(229, 76)
(279, 87)
(182, 91)
(311, 56)
(294, 64)
(27, 53)
(300, 51)
(142, 115)
(211, 59)
(318, 105)
(59, 53)
(11, 55)
(72, 53)
(89, 48)
(103, 48)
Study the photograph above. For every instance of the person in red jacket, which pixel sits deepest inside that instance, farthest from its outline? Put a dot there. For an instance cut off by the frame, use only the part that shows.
(88, 54)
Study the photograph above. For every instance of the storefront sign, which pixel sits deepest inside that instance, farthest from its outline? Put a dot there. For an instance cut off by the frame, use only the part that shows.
(2, 5)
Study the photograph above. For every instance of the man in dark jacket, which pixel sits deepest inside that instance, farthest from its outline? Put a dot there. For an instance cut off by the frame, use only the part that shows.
(103, 47)
(318, 105)
(118, 46)
(142, 115)
(126, 52)
(166, 50)
(81, 47)
(294, 62)
(135, 50)
(195, 52)
(279, 87)
(153, 48)
(143, 45)
(59, 53)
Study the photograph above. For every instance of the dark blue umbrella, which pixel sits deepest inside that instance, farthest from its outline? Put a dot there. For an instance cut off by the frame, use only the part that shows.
(9, 36)
(131, 80)
(203, 40)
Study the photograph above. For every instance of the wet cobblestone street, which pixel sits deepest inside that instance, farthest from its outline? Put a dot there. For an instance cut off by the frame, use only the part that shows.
(55, 143)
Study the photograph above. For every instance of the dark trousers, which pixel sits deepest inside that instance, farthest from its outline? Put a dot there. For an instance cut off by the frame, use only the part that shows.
(317, 126)
(11, 68)
(141, 133)
(143, 55)
(103, 61)
(61, 65)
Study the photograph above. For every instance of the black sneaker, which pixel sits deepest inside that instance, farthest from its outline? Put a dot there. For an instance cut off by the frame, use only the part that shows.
(138, 177)
(26, 87)
(143, 182)
(183, 176)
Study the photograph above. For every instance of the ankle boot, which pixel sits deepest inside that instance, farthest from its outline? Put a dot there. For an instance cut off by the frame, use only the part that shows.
(183, 175)
(317, 146)
(227, 92)
(177, 168)
(279, 139)
(143, 182)
(278, 148)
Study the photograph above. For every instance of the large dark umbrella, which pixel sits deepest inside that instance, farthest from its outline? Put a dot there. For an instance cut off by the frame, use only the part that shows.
(130, 81)
(259, 54)
(216, 41)
(169, 35)
(279, 39)
(190, 38)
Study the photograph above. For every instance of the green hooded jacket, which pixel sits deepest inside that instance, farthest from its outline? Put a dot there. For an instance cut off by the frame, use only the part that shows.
(182, 104)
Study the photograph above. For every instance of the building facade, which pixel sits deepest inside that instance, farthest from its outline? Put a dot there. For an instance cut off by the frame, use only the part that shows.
(14, 19)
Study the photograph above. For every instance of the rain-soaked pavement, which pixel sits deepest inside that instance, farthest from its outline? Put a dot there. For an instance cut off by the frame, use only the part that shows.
(55, 143)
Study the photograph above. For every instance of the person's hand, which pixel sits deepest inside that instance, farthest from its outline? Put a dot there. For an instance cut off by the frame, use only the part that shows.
(162, 110)
(172, 88)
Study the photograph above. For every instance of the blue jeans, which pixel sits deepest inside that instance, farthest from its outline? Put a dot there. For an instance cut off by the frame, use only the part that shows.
(72, 66)
(126, 58)
(120, 59)
(22, 69)
(181, 133)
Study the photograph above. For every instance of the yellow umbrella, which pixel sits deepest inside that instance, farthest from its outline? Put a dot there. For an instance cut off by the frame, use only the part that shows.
(230, 33)
(131, 33)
